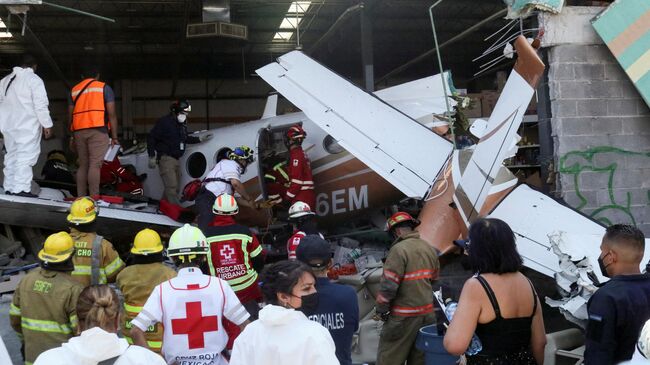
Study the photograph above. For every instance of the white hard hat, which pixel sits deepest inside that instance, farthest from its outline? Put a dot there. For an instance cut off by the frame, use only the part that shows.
(187, 240)
(299, 209)
(225, 204)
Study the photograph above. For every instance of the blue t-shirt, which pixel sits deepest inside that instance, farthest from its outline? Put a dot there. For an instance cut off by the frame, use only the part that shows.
(338, 311)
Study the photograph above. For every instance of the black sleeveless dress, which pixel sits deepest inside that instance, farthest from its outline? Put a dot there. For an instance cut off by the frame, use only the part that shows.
(506, 341)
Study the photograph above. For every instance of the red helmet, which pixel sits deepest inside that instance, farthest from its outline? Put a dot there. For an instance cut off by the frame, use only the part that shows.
(399, 218)
(296, 132)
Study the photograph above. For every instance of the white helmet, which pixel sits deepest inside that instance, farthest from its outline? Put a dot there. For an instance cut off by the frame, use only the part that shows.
(187, 240)
(225, 204)
(299, 209)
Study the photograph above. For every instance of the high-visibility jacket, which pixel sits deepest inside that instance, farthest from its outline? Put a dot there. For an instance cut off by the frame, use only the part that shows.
(43, 310)
(294, 241)
(409, 271)
(114, 174)
(277, 182)
(301, 182)
(108, 261)
(89, 108)
(232, 249)
(136, 283)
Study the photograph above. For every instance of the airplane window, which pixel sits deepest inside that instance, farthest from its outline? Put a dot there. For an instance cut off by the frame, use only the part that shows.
(196, 165)
(331, 145)
(221, 154)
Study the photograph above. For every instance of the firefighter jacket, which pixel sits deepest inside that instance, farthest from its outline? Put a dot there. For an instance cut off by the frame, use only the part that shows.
(89, 109)
(406, 285)
(301, 182)
(43, 310)
(89, 254)
(233, 248)
(136, 283)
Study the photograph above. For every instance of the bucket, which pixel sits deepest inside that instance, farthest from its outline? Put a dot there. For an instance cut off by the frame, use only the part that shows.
(430, 343)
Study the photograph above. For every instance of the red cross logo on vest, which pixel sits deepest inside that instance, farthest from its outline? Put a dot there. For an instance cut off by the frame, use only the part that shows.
(195, 325)
(227, 252)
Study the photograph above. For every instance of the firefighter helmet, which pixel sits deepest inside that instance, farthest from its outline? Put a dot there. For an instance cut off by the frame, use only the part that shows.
(299, 209)
(83, 210)
(399, 218)
(242, 153)
(147, 242)
(225, 204)
(187, 240)
(58, 247)
(296, 133)
(181, 106)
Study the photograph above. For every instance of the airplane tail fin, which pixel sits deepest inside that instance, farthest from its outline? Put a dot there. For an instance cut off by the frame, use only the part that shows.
(271, 107)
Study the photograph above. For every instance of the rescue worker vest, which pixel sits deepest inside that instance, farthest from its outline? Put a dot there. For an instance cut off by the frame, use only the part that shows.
(136, 282)
(230, 255)
(106, 260)
(43, 310)
(89, 110)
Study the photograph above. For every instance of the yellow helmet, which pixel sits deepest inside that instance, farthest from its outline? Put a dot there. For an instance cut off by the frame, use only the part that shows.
(147, 242)
(57, 248)
(83, 210)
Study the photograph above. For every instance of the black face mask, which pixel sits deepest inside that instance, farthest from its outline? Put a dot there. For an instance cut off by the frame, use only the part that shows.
(603, 267)
(309, 304)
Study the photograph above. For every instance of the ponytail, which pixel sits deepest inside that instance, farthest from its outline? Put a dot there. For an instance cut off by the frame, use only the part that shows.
(98, 306)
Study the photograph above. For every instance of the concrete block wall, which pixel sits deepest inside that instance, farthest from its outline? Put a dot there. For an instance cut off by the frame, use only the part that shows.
(601, 135)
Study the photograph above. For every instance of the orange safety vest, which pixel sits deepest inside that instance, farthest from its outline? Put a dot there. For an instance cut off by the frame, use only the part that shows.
(89, 108)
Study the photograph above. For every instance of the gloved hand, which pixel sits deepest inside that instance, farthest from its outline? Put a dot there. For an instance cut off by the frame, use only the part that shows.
(381, 315)
(152, 162)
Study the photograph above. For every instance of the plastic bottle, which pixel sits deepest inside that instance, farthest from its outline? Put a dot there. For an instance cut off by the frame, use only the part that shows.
(475, 345)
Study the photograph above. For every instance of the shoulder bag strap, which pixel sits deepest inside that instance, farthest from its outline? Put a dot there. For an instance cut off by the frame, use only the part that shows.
(95, 260)
(490, 294)
(9, 84)
(74, 101)
(112, 360)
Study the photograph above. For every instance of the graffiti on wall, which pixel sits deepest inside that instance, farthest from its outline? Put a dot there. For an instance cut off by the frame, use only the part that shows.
(604, 160)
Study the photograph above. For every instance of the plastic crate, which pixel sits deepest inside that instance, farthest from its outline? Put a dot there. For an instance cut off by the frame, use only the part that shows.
(430, 343)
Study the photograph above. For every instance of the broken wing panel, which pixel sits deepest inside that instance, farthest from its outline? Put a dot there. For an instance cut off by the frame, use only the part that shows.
(419, 98)
(402, 151)
(534, 216)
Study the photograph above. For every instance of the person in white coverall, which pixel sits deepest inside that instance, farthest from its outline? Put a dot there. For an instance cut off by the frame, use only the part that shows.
(24, 118)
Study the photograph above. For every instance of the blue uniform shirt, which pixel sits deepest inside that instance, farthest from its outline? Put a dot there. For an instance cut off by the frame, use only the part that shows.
(617, 312)
(338, 311)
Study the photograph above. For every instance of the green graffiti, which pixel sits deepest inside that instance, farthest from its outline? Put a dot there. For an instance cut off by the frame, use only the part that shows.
(576, 163)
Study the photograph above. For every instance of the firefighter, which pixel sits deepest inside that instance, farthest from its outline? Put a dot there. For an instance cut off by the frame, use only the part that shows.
(95, 259)
(190, 306)
(304, 223)
(225, 177)
(137, 280)
(43, 308)
(119, 178)
(405, 300)
(301, 182)
(277, 182)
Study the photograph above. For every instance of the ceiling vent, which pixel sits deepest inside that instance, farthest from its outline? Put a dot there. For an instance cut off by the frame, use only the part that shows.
(217, 29)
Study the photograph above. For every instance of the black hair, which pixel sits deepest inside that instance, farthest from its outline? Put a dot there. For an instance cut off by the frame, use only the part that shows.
(282, 277)
(626, 234)
(134, 259)
(492, 247)
(89, 70)
(28, 61)
(85, 227)
(182, 261)
(64, 266)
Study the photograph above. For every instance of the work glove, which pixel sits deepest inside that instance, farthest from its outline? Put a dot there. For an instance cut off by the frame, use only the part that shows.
(152, 162)
(381, 314)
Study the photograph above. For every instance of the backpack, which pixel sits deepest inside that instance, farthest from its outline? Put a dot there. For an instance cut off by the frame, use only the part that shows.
(191, 190)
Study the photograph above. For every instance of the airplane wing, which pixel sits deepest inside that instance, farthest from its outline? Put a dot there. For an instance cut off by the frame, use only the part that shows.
(398, 148)
(421, 97)
(473, 187)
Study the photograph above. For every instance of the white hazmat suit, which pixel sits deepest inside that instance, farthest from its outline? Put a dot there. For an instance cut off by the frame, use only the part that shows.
(23, 114)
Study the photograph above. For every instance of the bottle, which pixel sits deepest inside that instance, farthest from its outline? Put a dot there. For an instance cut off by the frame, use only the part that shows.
(475, 345)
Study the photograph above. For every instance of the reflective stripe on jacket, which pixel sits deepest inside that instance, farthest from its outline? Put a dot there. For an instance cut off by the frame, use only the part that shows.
(136, 282)
(89, 108)
(43, 310)
(109, 259)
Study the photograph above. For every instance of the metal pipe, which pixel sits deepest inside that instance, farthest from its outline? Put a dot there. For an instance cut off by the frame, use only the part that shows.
(442, 73)
(443, 45)
(330, 32)
(78, 11)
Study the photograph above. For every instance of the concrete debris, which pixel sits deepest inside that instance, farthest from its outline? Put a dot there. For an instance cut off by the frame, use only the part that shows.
(576, 280)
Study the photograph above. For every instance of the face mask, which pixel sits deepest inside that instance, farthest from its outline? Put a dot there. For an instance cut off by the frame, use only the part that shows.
(181, 118)
(603, 267)
(309, 304)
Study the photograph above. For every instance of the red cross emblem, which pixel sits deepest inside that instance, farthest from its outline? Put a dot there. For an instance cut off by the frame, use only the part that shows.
(195, 325)
(227, 252)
